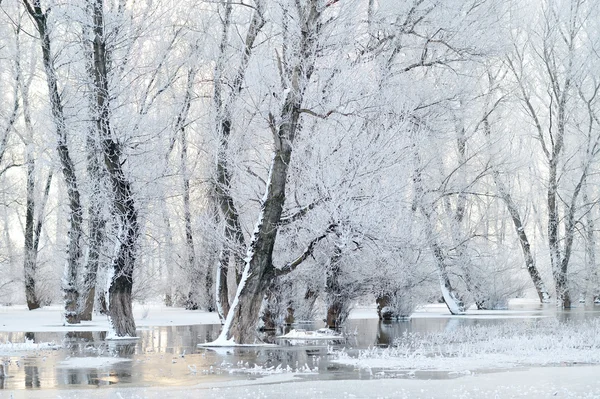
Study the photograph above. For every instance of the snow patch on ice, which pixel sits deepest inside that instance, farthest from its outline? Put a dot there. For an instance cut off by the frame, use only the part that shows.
(28, 345)
(244, 368)
(320, 334)
(91, 362)
(111, 336)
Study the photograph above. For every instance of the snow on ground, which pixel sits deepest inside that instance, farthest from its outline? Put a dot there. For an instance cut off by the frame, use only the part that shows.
(549, 382)
(50, 319)
(480, 347)
(91, 362)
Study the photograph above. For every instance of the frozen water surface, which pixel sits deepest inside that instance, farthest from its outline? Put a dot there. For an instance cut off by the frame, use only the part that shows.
(498, 353)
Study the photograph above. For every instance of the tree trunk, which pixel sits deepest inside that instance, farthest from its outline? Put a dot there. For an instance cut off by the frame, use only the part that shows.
(196, 280)
(209, 300)
(168, 258)
(513, 210)
(335, 297)
(74, 252)
(97, 190)
(450, 296)
(240, 326)
(538, 283)
(591, 293)
(33, 301)
(124, 208)
(562, 283)
(221, 285)
(97, 228)
(234, 237)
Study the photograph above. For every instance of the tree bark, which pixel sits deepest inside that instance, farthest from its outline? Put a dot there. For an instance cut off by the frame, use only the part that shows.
(536, 278)
(234, 237)
(74, 252)
(335, 297)
(221, 285)
(241, 323)
(124, 208)
(196, 276)
(513, 210)
(450, 296)
(591, 292)
(97, 190)
(33, 301)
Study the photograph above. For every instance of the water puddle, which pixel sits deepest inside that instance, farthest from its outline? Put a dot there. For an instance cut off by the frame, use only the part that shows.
(169, 356)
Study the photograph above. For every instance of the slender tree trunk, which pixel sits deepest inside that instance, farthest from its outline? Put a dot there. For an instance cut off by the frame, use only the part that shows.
(33, 301)
(74, 251)
(538, 283)
(570, 225)
(450, 296)
(168, 258)
(97, 195)
(125, 212)
(234, 237)
(513, 210)
(192, 265)
(97, 233)
(456, 219)
(591, 293)
(221, 284)
(560, 279)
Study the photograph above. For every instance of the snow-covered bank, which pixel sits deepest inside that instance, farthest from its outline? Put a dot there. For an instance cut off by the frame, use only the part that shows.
(50, 318)
(480, 347)
(549, 382)
(518, 308)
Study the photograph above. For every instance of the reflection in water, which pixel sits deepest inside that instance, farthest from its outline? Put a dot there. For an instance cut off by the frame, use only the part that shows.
(169, 355)
(32, 378)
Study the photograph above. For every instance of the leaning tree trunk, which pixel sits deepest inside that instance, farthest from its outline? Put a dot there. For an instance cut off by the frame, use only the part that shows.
(538, 283)
(74, 252)
(234, 237)
(125, 212)
(513, 210)
(241, 324)
(450, 296)
(570, 226)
